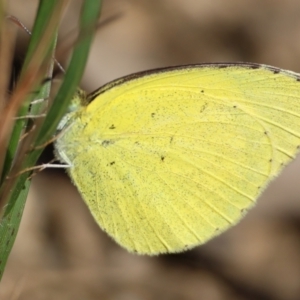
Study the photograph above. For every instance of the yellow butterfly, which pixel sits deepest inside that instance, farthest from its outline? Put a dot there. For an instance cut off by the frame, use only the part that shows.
(168, 159)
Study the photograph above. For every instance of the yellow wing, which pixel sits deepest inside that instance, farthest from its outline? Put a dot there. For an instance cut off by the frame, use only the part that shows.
(168, 159)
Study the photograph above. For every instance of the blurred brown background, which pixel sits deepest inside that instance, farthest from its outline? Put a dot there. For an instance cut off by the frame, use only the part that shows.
(60, 253)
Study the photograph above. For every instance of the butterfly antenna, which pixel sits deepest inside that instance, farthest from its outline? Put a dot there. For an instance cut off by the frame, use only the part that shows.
(21, 25)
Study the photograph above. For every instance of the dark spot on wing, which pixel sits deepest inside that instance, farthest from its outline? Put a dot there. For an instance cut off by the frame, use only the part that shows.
(202, 91)
(106, 143)
(112, 126)
(270, 160)
(152, 115)
(234, 106)
(171, 139)
(204, 106)
(276, 71)
(162, 158)
(112, 163)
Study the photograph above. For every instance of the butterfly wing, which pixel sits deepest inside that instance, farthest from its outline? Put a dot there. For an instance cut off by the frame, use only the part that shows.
(169, 159)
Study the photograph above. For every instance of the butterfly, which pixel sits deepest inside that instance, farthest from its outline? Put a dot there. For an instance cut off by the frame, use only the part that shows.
(170, 158)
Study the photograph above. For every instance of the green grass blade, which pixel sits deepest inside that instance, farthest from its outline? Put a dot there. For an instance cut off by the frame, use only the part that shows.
(16, 190)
